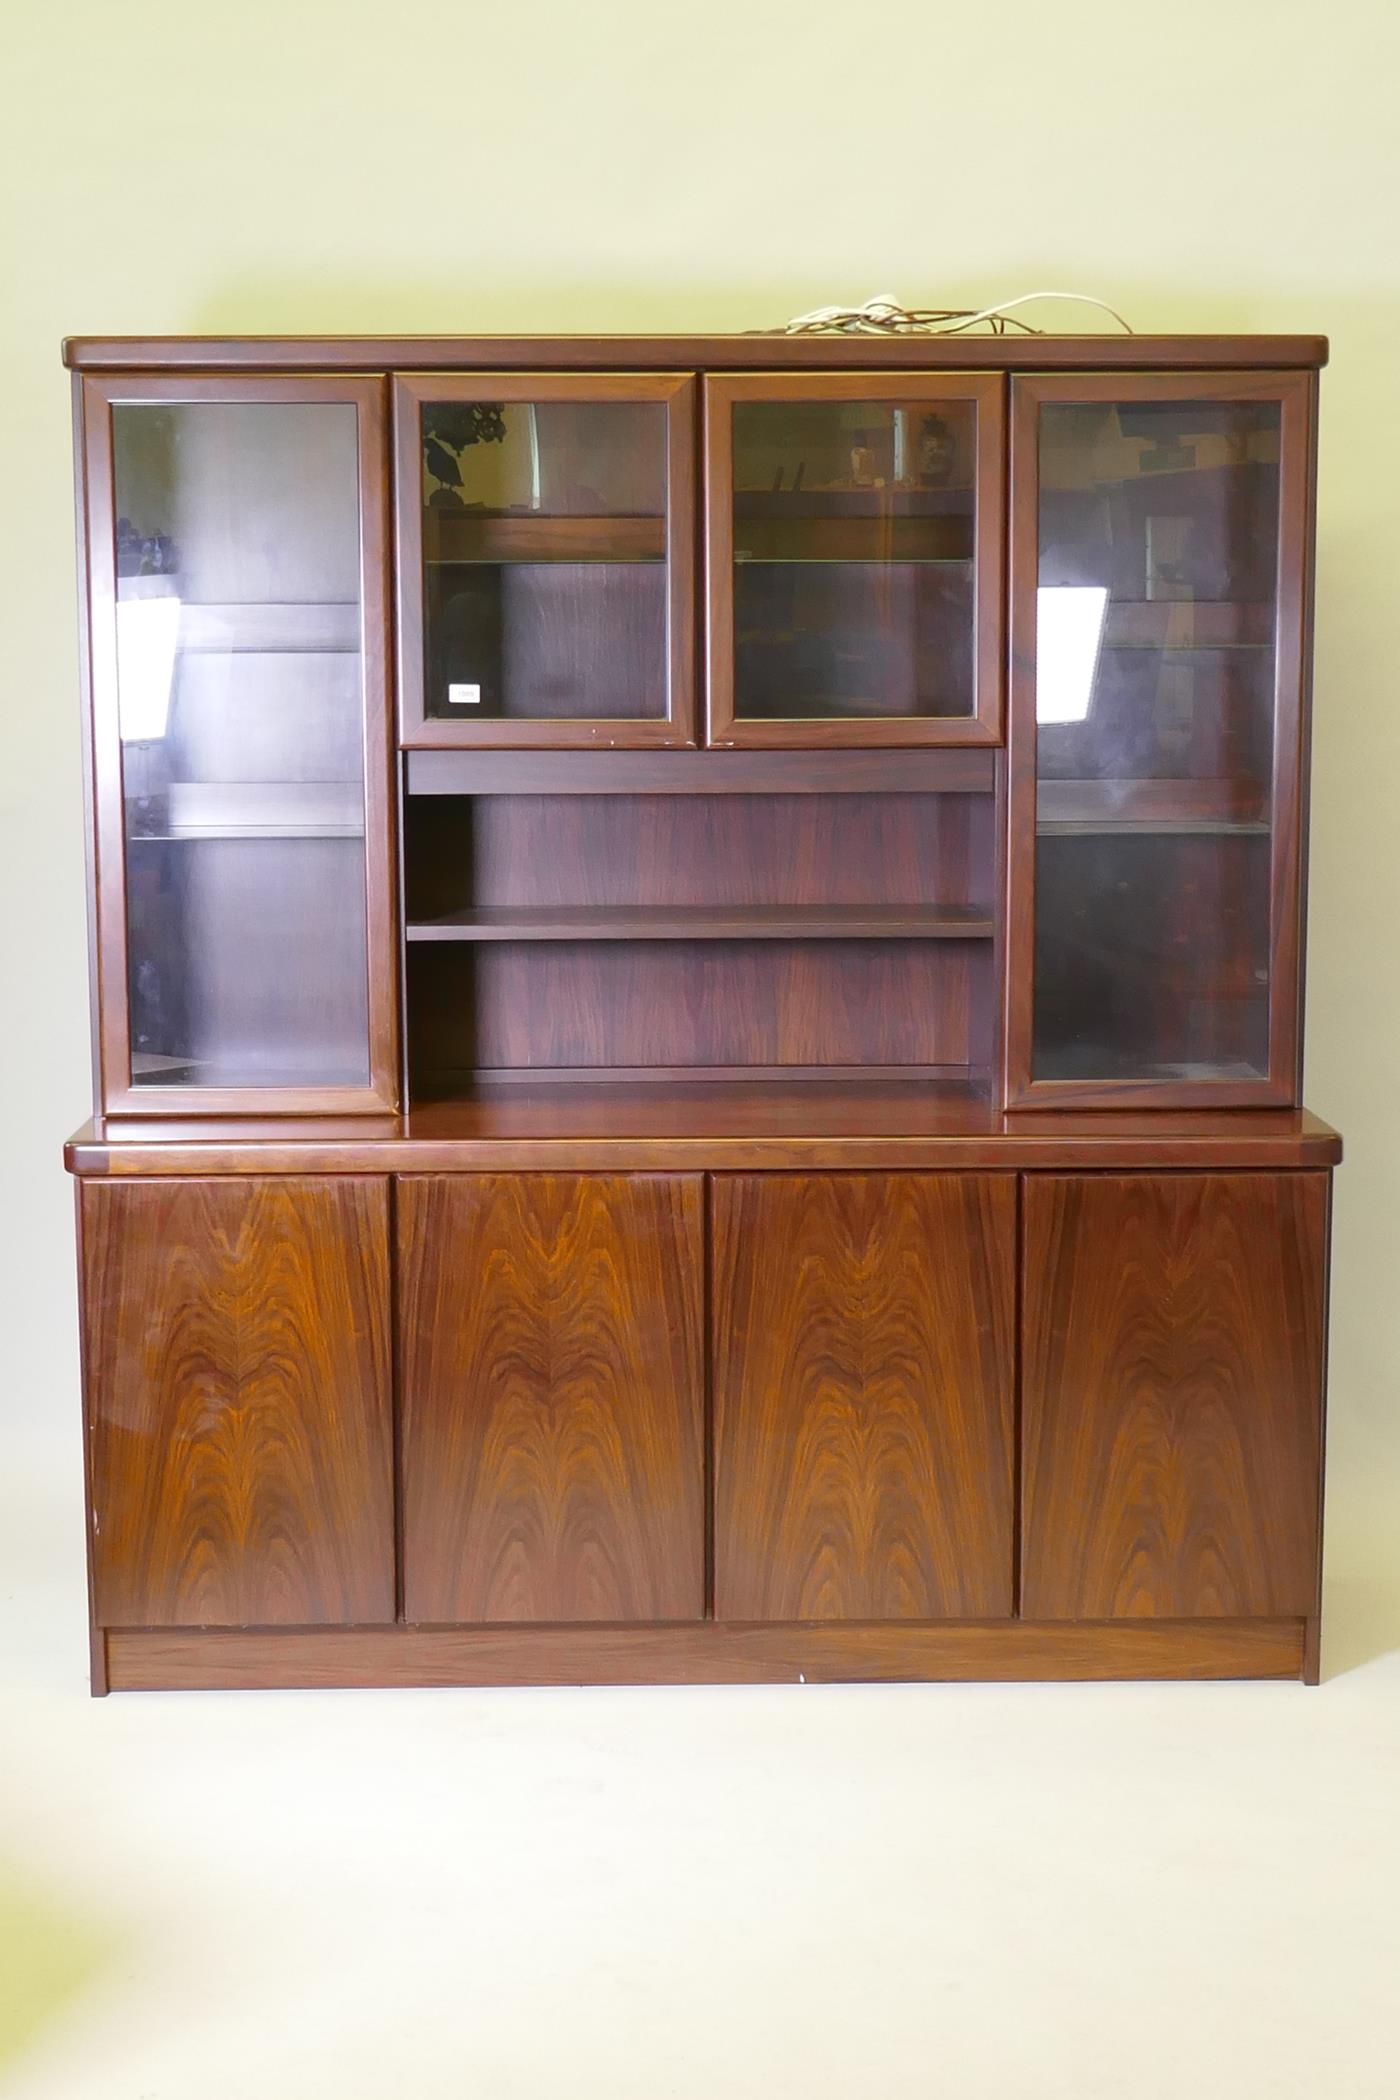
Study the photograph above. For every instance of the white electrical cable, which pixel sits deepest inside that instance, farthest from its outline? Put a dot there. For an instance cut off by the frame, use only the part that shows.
(884, 315)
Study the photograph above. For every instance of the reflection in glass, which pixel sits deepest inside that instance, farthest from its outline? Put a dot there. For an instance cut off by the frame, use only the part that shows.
(854, 536)
(1154, 708)
(544, 549)
(240, 714)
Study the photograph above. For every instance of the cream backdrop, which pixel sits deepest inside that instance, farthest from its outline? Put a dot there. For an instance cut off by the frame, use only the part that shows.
(546, 165)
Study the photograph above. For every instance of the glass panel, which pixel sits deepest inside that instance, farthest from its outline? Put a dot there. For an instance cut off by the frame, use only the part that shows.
(240, 704)
(544, 556)
(1159, 525)
(854, 534)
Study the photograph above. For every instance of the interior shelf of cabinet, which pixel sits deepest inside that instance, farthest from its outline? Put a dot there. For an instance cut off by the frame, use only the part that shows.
(755, 922)
(453, 536)
(1145, 808)
(329, 629)
(924, 542)
(1199, 623)
(264, 809)
(814, 1103)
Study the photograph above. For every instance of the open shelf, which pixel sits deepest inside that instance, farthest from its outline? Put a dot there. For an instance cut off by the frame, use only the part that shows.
(701, 922)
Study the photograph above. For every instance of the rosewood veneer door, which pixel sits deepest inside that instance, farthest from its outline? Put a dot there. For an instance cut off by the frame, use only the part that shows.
(552, 1394)
(236, 1345)
(1172, 1365)
(863, 1391)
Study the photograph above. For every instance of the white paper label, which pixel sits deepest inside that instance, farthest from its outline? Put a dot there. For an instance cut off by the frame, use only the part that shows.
(464, 696)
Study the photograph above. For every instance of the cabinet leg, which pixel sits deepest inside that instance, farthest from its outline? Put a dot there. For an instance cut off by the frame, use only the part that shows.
(1312, 1649)
(97, 1666)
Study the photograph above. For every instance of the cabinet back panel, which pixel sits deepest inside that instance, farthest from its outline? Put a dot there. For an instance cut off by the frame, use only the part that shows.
(580, 850)
(586, 1005)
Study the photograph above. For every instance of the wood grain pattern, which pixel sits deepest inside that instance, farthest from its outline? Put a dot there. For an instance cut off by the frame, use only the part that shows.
(1171, 1394)
(862, 1338)
(1009, 1651)
(552, 1397)
(238, 1401)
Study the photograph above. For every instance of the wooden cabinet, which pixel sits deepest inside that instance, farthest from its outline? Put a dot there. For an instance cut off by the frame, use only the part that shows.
(732, 1152)
(552, 1397)
(864, 1382)
(236, 1342)
(1172, 1394)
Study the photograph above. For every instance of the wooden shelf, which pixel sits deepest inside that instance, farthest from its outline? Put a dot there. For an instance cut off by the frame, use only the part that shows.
(261, 809)
(757, 922)
(843, 502)
(1188, 624)
(468, 536)
(1148, 808)
(270, 630)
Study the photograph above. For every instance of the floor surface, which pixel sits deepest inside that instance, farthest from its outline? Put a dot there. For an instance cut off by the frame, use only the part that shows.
(1026, 1891)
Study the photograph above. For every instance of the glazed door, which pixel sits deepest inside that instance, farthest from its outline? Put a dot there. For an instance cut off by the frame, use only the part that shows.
(864, 1392)
(545, 548)
(239, 1411)
(1159, 588)
(245, 927)
(552, 1393)
(1171, 1394)
(854, 548)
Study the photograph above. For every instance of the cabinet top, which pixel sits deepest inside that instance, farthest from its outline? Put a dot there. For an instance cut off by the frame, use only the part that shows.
(753, 352)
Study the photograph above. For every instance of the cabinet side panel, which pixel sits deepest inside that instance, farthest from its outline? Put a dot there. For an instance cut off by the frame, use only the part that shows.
(238, 1401)
(863, 1392)
(552, 1397)
(1172, 1394)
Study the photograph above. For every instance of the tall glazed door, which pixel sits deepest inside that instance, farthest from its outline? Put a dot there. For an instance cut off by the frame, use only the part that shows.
(245, 927)
(545, 547)
(854, 551)
(1159, 592)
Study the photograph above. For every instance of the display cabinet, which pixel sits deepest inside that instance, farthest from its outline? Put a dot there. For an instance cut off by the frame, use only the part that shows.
(761, 1135)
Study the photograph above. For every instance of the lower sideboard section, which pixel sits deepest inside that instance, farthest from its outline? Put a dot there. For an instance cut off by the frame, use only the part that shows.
(848, 1653)
(703, 1427)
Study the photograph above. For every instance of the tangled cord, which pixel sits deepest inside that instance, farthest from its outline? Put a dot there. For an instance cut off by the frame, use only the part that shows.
(883, 315)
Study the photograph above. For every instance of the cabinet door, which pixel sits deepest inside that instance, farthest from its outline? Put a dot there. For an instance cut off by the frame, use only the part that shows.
(552, 1395)
(545, 548)
(236, 1350)
(1159, 589)
(854, 526)
(1172, 1361)
(237, 563)
(863, 1393)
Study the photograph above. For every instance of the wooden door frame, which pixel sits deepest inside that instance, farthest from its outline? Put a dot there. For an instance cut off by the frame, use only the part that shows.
(1296, 394)
(675, 393)
(115, 1090)
(987, 393)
